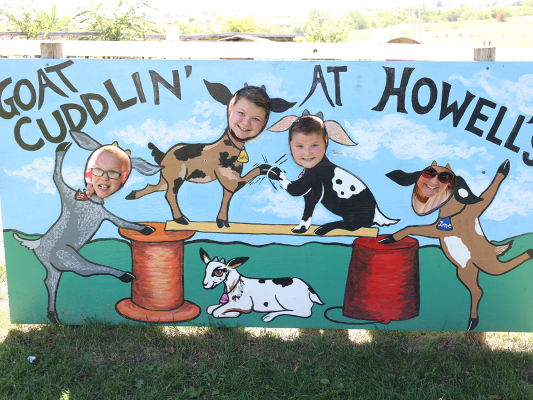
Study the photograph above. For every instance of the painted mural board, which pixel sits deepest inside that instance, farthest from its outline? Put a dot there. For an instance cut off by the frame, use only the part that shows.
(408, 208)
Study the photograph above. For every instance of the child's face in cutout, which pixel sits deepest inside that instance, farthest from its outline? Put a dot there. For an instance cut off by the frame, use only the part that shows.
(308, 150)
(246, 119)
(103, 185)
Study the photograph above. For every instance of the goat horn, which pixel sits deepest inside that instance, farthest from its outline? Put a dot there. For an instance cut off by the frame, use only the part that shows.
(114, 144)
(320, 115)
(434, 163)
(128, 153)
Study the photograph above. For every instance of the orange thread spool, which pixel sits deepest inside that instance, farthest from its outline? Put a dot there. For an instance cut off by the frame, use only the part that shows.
(157, 291)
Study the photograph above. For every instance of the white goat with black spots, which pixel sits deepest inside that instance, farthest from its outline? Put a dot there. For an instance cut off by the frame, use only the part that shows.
(242, 295)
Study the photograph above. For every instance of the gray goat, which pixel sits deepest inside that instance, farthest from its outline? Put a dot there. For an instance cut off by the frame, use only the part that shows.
(80, 219)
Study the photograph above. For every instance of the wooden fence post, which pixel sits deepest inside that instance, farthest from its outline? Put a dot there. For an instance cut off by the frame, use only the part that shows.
(485, 54)
(51, 50)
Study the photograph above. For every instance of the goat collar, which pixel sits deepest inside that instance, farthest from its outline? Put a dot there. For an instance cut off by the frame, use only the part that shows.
(234, 139)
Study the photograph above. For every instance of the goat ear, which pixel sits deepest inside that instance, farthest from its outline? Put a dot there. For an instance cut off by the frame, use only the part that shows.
(338, 134)
(85, 141)
(237, 262)
(219, 92)
(278, 105)
(144, 167)
(283, 124)
(203, 255)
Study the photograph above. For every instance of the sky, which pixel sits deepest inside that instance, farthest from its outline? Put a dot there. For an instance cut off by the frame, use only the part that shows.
(275, 7)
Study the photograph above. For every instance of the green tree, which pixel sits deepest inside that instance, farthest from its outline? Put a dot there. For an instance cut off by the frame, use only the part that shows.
(31, 21)
(118, 21)
(321, 15)
(356, 20)
(238, 24)
(327, 32)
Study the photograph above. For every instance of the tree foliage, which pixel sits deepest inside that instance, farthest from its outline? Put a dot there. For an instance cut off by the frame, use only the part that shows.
(32, 21)
(327, 32)
(117, 21)
(356, 20)
(238, 24)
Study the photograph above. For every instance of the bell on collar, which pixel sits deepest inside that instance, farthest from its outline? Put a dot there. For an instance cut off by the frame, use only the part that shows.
(243, 156)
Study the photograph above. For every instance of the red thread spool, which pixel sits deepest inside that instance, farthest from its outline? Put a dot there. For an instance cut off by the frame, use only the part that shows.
(157, 291)
(383, 280)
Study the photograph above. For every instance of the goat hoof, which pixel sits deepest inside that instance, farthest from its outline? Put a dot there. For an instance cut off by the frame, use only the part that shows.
(222, 223)
(132, 195)
(321, 231)
(183, 220)
(147, 230)
(301, 229)
(472, 323)
(52, 316)
(63, 146)
(504, 168)
(127, 277)
(387, 239)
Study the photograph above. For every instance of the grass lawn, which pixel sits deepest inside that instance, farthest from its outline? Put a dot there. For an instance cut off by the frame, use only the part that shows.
(149, 362)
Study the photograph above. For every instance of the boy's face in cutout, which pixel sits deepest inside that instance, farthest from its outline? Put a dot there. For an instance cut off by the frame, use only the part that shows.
(245, 119)
(308, 150)
(103, 185)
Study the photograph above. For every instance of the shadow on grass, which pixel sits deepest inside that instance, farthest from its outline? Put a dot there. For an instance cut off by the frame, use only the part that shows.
(104, 361)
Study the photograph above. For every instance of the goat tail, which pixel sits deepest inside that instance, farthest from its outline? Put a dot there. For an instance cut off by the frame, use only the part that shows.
(381, 219)
(29, 244)
(156, 153)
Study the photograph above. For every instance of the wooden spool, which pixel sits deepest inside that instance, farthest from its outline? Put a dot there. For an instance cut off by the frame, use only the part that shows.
(157, 292)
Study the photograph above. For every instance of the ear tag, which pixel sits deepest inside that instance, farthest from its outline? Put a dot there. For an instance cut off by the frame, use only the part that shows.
(243, 156)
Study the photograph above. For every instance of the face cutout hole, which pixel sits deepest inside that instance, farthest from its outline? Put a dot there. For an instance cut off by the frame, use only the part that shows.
(433, 189)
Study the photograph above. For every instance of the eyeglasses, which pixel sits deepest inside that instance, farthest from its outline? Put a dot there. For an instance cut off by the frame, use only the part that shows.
(110, 174)
(444, 177)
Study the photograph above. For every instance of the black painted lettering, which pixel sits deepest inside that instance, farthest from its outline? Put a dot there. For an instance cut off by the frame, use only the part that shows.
(157, 79)
(419, 109)
(33, 96)
(18, 136)
(139, 87)
(509, 143)
(58, 69)
(525, 155)
(390, 90)
(491, 136)
(45, 82)
(13, 110)
(470, 127)
(318, 77)
(457, 113)
(62, 128)
(86, 98)
(336, 71)
(66, 108)
(121, 105)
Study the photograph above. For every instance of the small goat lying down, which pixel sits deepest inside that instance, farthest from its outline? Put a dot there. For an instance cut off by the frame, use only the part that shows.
(278, 296)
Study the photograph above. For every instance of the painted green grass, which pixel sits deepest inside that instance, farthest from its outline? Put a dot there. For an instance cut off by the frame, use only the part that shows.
(99, 361)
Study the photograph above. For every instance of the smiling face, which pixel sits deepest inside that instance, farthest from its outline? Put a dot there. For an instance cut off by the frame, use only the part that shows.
(308, 150)
(245, 119)
(103, 186)
(430, 187)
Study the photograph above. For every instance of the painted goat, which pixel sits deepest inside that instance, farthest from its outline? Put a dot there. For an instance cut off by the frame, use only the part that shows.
(80, 219)
(242, 295)
(461, 236)
(339, 191)
(202, 163)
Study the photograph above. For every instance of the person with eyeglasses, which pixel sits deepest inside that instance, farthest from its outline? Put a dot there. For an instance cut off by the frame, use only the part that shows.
(106, 171)
(434, 187)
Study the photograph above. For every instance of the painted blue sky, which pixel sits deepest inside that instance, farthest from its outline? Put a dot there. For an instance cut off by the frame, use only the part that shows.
(387, 140)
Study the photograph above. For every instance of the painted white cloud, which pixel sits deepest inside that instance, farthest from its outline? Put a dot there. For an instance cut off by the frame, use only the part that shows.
(517, 96)
(189, 131)
(283, 205)
(272, 84)
(406, 139)
(40, 171)
(514, 196)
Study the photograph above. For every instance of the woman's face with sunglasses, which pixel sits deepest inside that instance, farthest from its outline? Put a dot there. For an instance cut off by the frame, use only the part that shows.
(434, 180)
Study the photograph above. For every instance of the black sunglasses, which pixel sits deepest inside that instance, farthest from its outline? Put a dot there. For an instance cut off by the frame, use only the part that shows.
(444, 177)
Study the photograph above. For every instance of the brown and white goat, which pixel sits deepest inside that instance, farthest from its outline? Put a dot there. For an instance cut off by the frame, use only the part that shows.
(202, 163)
(461, 237)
